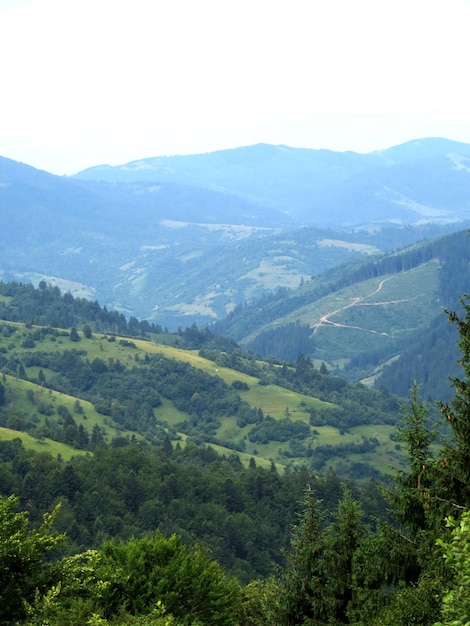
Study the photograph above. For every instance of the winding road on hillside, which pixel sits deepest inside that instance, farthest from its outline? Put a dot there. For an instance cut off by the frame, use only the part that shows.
(325, 319)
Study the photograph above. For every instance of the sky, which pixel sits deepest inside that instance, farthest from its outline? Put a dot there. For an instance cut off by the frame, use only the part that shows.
(89, 82)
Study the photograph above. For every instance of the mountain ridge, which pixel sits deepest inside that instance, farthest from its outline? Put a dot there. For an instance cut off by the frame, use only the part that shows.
(177, 253)
(319, 186)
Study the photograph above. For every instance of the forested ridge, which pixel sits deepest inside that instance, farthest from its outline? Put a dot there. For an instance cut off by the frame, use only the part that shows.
(246, 318)
(268, 325)
(48, 306)
(151, 529)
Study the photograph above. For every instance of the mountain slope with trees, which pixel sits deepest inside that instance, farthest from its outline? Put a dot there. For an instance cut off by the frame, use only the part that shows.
(357, 318)
(342, 567)
(84, 388)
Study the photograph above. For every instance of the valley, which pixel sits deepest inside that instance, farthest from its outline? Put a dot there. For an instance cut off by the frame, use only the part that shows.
(203, 370)
(178, 240)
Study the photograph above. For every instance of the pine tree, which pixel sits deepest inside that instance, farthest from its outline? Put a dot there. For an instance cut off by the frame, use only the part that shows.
(412, 488)
(318, 582)
(303, 578)
(344, 537)
(456, 458)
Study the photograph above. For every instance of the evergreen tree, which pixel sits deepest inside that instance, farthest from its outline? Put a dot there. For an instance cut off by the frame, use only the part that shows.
(303, 579)
(318, 585)
(456, 458)
(74, 336)
(344, 537)
(412, 489)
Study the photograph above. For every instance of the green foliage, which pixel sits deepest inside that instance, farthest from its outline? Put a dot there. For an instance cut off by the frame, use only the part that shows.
(47, 306)
(190, 585)
(415, 605)
(138, 388)
(243, 516)
(284, 342)
(261, 603)
(343, 567)
(457, 412)
(278, 430)
(456, 551)
(414, 488)
(25, 579)
(319, 581)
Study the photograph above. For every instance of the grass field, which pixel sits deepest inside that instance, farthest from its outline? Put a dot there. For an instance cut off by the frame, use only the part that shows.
(274, 400)
(369, 315)
(54, 448)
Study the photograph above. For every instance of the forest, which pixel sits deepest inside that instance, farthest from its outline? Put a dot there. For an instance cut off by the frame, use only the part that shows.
(154, 530)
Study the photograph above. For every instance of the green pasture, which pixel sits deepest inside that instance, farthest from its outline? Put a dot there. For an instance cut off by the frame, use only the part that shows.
(19, 403)
(99, 346)
(280, 402)
(169, 414)
(273, 400)
(54, 448)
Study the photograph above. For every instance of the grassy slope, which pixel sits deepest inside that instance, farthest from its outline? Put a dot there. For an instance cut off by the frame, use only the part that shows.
(369, 315)
(273, 400)
(54, 448)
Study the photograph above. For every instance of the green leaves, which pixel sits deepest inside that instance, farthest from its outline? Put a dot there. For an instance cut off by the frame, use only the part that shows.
(319, 583)
(456, 551)
(189, 584)
(23, 575)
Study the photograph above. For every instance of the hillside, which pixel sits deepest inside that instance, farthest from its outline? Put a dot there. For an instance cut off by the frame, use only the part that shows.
(85, 387)
(143, 497)
(357, 319)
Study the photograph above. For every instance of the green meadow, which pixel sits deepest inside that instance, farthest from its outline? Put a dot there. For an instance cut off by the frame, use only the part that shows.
(24, 397)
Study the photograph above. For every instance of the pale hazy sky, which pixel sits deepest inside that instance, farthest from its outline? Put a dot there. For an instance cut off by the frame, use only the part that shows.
(86, 82)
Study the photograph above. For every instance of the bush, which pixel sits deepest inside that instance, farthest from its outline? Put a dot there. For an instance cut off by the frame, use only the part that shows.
(190, 585)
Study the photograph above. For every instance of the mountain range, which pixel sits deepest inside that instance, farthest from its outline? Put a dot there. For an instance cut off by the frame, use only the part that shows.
(422, 179)
(194, 239)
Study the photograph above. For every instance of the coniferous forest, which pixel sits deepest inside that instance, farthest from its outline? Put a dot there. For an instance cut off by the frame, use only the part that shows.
(158, 529)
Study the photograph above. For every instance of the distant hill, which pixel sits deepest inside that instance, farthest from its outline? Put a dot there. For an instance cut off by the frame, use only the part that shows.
(359, 317)
(421, 179)
(178, 240)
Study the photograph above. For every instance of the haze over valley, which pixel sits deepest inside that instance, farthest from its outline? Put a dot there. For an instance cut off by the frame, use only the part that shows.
(186, 239)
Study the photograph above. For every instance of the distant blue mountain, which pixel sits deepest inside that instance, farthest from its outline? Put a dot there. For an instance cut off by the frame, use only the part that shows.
(425, 179)
(187, 238)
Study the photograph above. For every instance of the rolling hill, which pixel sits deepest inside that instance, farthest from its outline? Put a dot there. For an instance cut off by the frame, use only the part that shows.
(87, 389)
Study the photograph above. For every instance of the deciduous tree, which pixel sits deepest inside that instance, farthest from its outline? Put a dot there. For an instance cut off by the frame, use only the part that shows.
(23, 574)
